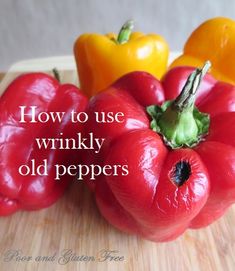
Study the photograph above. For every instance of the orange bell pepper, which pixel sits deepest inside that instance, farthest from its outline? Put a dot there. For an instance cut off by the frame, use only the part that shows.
(213, 40)
(102, 59)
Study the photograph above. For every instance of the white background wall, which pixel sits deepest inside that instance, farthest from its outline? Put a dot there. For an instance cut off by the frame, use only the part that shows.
(39, 28)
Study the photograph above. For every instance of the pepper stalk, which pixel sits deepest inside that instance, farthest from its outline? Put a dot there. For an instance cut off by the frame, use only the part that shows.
(125, 32)
(179, 122)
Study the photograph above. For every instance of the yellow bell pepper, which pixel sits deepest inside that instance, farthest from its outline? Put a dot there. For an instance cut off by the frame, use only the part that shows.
(101, 59)
(213, 40)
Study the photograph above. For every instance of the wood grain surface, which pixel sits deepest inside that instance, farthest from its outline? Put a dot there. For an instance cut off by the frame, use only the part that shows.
(74, 224)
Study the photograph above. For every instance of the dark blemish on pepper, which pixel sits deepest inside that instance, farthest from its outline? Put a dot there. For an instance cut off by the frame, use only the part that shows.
(181, 173)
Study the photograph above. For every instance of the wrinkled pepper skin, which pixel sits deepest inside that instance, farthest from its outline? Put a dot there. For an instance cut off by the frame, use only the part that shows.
(101, 61)
(148, 201)
(213, 40)
(18, 145)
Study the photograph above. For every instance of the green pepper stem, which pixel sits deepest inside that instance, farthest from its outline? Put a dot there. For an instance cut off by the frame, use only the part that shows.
(125, 32)
(56, 74)
(178, 121)
(187, 96)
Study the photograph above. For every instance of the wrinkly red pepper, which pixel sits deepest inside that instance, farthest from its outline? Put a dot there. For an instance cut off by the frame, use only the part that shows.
(168, 188)
(18, 145)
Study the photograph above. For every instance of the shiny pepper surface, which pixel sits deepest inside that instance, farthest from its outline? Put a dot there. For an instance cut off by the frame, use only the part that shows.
(18, 141)
(213, 40)
(180, 161)
(102, 59)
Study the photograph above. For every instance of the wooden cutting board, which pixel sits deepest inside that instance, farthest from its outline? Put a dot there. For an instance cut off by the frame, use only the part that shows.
(74, 224)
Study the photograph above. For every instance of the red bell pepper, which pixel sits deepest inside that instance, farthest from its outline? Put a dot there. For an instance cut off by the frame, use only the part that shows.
(181, 162)
(18, 145)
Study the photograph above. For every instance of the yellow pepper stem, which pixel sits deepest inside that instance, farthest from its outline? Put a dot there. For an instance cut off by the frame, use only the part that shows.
(125, 32)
